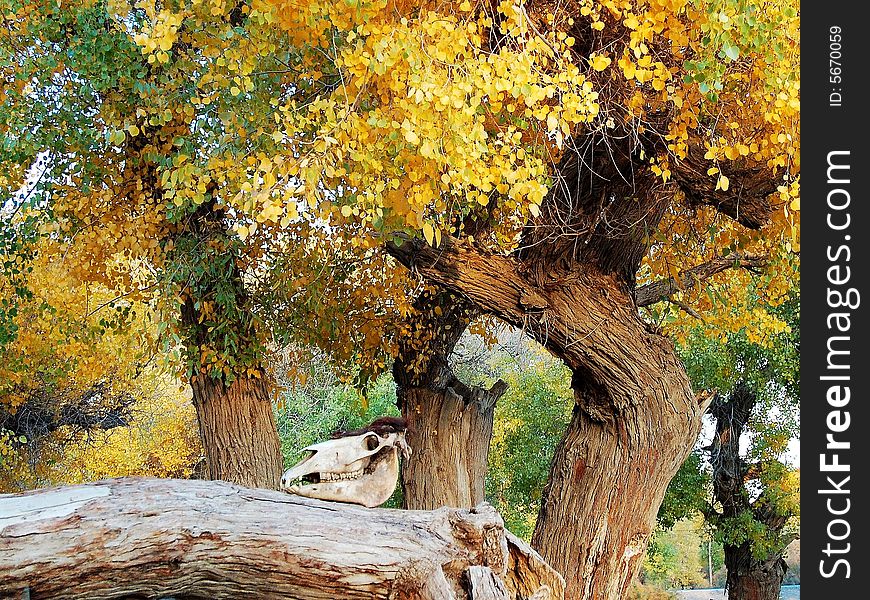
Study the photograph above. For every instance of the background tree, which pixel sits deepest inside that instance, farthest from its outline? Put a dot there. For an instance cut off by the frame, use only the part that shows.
(147, 122)
(755, 504)
(81, 395)
(110, 118)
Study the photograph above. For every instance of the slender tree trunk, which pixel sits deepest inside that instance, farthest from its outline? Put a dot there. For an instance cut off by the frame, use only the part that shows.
(449, 423)
(752, 579)
(238, 432)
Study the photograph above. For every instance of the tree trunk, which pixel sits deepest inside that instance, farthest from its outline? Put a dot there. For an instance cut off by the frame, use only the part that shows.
(752, 579)
(449, 423)
(635, 418)
(150, 538)
(450, 434)
(238, 431)
(748, 577)
(600, 503)
(570, 284)
(235, 415)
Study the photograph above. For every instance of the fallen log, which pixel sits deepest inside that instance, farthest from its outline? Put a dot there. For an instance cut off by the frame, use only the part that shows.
(180, 539)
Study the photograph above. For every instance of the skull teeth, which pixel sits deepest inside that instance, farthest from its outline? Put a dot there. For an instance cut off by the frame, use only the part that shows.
(341, 476)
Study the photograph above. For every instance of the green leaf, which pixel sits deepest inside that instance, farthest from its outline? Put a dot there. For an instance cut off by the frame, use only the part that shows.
(731, 51)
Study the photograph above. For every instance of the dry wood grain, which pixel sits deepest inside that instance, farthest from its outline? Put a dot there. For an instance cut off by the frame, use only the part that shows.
(154, 538)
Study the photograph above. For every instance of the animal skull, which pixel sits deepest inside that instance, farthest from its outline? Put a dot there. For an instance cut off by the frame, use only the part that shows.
(362, 469)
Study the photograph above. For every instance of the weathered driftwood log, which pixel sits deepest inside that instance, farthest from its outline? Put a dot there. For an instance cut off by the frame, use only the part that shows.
(154, 538)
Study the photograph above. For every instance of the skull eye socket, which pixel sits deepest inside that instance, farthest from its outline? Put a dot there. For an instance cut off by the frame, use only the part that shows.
(372, 442)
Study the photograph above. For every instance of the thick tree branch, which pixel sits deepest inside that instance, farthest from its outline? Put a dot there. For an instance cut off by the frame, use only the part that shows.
(748, 198)
(584, 317)
(152, 538)
(486, 397)
(658, 291)
(490, 281)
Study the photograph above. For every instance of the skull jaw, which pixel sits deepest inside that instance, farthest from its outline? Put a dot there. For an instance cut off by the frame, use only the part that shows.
(307, 467)
(370, 489)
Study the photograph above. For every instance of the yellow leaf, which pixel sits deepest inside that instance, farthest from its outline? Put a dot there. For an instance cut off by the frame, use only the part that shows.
(535, 210)
(346, 211)
(428, 233)
(795, 204)
(722, 184)
(599, 62)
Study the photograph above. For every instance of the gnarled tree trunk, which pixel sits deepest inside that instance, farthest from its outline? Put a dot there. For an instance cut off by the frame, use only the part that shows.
(571, 286)
(635, 418)
(607, 480)
(150, 538)
(449, 423)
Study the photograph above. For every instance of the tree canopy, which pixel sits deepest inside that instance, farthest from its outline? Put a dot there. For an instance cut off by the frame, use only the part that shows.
(315, 124)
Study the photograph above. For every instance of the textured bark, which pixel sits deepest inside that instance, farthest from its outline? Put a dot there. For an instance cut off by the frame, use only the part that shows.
(150, 538)
(450, 434)
(748, 577)
(752, 579)
(236, 419)
(598, 213)
(449, 423)
(607, 483)
(238, 431)
(635, 418)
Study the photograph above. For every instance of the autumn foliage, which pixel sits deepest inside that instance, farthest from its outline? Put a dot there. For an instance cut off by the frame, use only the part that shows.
(355, 121)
